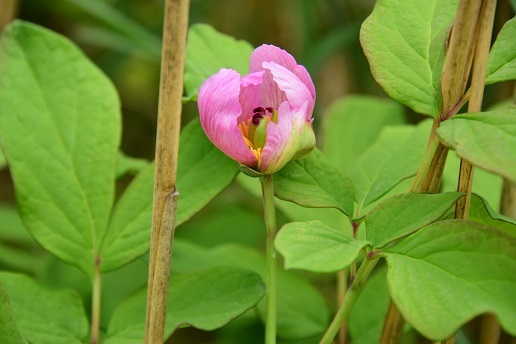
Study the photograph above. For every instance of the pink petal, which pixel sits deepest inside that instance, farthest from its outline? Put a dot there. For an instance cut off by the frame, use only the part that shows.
(284, 140)
(250, 94)
(294, 89)
(219, 109)
(271, 53)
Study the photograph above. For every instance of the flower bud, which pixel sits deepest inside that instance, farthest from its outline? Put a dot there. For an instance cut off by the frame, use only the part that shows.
(263, 119)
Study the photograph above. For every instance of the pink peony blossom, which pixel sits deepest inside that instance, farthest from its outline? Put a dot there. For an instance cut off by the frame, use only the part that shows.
(263, 119)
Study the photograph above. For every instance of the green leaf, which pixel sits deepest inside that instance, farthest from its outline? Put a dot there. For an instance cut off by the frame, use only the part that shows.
(481, 212)
(486, 139)
(221, 223)
(368, 313)
(395, 156)
(294, 212)
(312, 182)
(404, 42)
(207, 51)
(401, 215)
(200, 160)
(403, 164)
(9, 331)
(221, 294)
(302, 311)
(501, 65)
(487, 184)
(60, 131)
(128, 234)
(451, 271)
(43, 315)
(353, 123)
(128, 165)
(313, 246)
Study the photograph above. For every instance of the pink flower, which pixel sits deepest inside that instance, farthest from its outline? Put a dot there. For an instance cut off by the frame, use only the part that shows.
(263, 119)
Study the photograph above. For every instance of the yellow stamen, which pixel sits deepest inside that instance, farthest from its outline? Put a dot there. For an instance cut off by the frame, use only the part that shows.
(244, 130)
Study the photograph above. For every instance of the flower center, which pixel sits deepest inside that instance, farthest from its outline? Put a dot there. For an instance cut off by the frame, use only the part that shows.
(254, 131)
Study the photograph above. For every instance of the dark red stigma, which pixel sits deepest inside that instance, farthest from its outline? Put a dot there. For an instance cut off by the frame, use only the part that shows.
(259, 110)
(269, 109)
(257, 117)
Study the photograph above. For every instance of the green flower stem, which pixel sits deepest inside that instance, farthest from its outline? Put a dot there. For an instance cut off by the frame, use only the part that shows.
(270, 224)
(95, 305)
(363, 272)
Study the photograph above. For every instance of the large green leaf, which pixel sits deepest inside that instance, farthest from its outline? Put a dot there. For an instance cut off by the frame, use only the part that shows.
(480, 211)
(207, 51)
(313, 246)
(43, 315)
(394, 156)
(60, 131)
(312, 182)
(501, 65)
(128, 233)
(403, 164)
(128, 165)
(486, 139)
(353, 123)
(302, 311)
(451, 271)
(207, 299)
(401, 215)
(9, 332)
(199, 160)
(404, 42)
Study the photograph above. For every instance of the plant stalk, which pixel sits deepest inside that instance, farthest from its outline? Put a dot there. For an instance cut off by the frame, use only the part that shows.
(269, 213)
(483, 33)
(508, 199)
(459, 57)
(342, 286)
(167, 146)
(8, 12)
(363, 272)
(95, 304)
(454, 80)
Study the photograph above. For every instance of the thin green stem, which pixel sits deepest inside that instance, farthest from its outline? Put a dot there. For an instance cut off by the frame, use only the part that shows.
(363, 272)
(95, 305)
(342, 286)
(270, 224)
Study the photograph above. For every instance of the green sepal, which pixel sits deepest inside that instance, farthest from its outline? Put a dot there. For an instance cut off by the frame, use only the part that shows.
(250, 172)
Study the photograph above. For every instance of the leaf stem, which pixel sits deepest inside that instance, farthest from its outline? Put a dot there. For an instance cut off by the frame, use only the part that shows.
(363, 272)
(167, 145)
(95, 304)
(269, 213)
